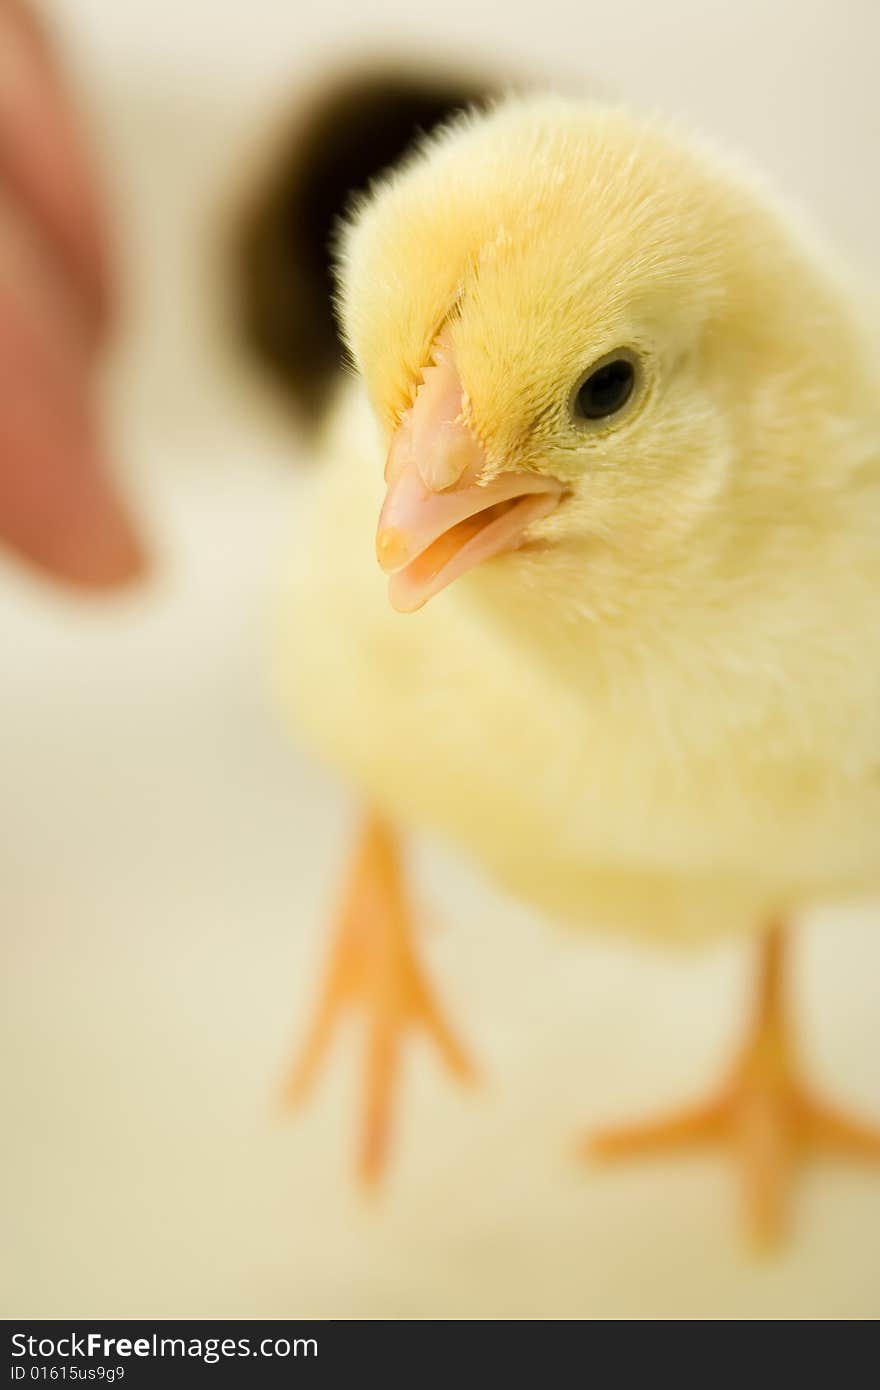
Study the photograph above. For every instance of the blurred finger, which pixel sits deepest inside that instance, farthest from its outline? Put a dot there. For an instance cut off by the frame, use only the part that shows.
(58, 507)
(42, 162)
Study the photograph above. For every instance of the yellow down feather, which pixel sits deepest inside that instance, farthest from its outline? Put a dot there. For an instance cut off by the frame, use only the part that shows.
(662, 715)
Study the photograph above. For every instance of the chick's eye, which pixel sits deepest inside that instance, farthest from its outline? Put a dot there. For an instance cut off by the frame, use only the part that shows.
(606, 390)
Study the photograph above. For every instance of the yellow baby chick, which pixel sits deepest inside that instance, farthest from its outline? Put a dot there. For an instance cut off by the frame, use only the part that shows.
(631, 421)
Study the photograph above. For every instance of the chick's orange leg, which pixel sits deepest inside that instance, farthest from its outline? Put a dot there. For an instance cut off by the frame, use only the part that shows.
(763, 1111)
(373, 966)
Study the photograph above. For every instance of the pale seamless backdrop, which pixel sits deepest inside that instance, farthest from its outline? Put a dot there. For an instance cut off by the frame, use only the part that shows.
(168, 856)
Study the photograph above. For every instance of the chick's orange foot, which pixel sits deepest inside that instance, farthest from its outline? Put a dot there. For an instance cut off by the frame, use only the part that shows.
(770, 1119)
(373, 966)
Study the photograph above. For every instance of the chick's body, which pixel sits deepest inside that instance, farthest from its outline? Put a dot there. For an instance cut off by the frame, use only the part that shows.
(656, 794)
(668, 720)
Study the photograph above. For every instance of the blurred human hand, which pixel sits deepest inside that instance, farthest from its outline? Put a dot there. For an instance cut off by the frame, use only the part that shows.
(58, 507)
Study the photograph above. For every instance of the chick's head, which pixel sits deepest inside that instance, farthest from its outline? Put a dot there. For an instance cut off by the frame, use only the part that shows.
(590, 344)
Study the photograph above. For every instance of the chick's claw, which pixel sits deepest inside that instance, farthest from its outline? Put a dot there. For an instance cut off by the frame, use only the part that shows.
(763, 1112)
(373, 965)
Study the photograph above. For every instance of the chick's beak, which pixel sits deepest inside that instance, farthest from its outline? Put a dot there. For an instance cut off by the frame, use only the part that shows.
(438, 520)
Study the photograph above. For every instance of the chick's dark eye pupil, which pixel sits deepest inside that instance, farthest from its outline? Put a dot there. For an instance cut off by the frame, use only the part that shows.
(606, 390)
